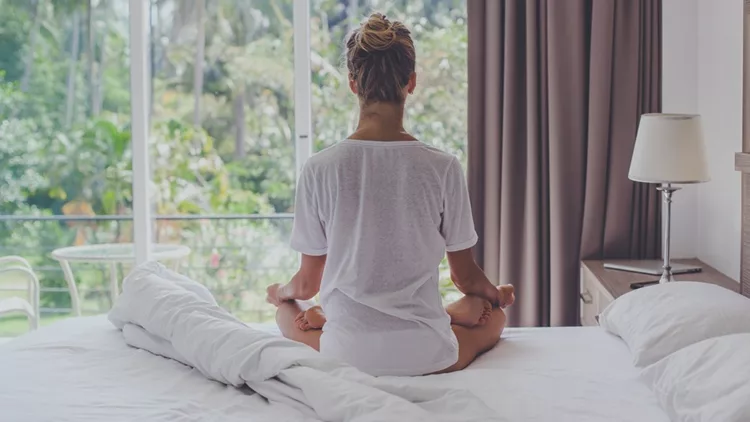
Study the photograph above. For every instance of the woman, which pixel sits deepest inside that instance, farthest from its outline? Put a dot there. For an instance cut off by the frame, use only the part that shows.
(374, 216)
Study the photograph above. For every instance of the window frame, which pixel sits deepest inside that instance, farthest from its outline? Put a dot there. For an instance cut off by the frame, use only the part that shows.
(140, 55)
(139, 23)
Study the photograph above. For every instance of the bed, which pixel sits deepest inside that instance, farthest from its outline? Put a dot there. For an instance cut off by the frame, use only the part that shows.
(81, 370)
(84, 369)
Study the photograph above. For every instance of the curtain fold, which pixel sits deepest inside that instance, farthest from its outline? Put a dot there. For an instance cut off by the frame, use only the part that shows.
(556, 89)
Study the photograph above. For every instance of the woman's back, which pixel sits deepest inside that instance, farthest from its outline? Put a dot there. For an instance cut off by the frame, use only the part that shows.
(374, 217)
(383, 212)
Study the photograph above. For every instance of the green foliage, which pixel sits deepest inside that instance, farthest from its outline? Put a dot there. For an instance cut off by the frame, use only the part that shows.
(21, 167)
(31, 239)
(238, 159)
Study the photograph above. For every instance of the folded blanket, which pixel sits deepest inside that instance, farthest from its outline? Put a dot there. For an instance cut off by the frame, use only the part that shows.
(175, 317)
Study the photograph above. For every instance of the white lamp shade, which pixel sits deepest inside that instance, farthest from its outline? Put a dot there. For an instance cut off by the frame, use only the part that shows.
(669, 148)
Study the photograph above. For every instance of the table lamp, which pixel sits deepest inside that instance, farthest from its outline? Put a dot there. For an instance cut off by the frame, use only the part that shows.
(669, 149)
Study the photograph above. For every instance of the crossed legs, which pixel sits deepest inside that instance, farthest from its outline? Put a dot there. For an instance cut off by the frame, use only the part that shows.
(288, 316)
(476, 324)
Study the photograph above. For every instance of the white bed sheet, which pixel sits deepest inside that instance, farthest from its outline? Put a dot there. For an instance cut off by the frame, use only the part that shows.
(576, 374)
(81, 370)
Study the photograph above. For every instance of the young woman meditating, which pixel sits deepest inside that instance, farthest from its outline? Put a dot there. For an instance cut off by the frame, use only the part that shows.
(374, 217)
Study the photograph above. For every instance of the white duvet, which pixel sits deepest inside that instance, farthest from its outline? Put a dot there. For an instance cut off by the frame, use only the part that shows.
(171, 316)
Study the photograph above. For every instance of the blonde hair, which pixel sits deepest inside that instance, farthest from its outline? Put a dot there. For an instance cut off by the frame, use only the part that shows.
(380, 57)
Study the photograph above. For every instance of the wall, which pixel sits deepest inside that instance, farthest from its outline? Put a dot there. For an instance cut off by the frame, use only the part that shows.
(702, 65)
(720, 104)
(680, 95)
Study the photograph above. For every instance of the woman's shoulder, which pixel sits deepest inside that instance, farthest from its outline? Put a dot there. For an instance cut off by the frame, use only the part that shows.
(424, 153)
(325, 156)
(438, 153)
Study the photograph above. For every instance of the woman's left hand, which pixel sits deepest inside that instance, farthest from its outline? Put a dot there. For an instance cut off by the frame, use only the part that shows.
(272, 294)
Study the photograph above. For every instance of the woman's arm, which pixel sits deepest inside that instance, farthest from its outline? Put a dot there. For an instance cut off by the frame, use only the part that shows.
(470, 279)
(304, 285)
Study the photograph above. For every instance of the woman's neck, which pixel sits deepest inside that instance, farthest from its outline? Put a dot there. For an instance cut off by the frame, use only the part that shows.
(381, 122)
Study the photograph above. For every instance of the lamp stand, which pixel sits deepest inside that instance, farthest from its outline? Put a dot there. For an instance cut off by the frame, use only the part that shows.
(667, 191)
(654, 267)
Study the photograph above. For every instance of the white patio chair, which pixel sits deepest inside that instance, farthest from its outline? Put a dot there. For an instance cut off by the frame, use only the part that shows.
(17, 276)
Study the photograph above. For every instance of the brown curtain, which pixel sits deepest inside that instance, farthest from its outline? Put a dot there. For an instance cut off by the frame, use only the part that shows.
(556, 89)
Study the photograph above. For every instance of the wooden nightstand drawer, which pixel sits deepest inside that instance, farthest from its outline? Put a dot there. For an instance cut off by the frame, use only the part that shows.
(594, 298)
(588, 297)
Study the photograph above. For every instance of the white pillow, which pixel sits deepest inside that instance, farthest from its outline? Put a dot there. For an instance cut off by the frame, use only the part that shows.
(656, 321)
(707, 381)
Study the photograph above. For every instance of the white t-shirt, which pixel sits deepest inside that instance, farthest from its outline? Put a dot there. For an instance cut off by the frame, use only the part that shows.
(384, 213)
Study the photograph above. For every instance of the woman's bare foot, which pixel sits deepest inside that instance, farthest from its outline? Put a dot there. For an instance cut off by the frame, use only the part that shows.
(469, 311)
(311, 319)
(507, 295)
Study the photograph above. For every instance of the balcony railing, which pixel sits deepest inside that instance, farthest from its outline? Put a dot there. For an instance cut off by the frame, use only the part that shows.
(235, 256)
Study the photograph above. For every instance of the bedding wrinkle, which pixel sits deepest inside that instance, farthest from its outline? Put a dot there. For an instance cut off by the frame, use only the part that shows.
(174, 322)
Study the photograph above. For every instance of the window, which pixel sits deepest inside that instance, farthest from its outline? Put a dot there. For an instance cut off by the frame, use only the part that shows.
(65, 156)
(222, 150)
(233, 95)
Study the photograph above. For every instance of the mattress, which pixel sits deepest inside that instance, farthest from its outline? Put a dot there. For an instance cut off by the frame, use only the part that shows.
(81, 370)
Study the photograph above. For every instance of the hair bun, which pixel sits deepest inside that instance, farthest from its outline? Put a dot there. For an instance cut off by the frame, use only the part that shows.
(380, 57)
(377, 33)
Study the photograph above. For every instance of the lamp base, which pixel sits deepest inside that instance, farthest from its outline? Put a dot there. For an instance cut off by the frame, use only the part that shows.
(667, 276)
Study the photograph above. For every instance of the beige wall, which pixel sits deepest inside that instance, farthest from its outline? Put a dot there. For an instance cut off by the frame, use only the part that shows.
(702, 62)
(680, 95)
(720, 104)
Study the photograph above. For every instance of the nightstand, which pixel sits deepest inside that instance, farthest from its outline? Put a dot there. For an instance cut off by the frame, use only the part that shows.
(600, 286)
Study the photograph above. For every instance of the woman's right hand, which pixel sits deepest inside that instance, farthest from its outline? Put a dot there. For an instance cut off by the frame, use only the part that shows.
(483, 289)
(470, 279)
(499, 296)
(506, 295)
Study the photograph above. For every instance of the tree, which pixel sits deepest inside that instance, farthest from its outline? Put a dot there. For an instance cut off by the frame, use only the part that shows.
(90, 46)
(36, 6)
(72, 69)
(200, 45)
